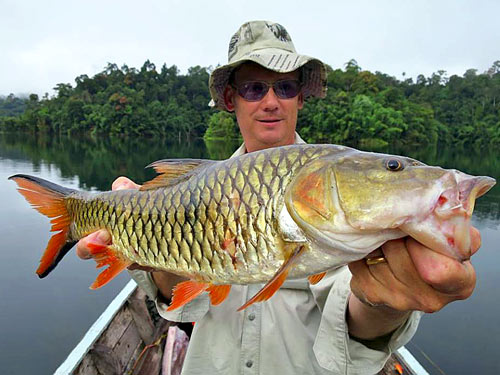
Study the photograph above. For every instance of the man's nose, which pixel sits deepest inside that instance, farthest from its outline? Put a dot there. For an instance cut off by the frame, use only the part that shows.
(270, 100)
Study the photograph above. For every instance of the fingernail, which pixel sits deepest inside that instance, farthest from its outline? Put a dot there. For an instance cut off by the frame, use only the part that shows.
(104, 236)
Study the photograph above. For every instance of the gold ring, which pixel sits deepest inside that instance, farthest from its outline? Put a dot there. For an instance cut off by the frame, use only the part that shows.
(375, 260)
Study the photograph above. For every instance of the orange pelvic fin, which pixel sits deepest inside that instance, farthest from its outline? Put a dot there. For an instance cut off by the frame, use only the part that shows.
(48, 199)
(106, 256)
(314, 279)
(275, 283)
(218, 293)
(185, 292)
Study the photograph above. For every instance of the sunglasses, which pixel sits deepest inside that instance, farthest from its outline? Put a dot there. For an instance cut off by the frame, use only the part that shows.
(253, 91)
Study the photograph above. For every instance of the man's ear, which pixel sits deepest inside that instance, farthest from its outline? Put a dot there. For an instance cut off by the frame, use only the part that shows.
(300, 100)
(229, 98)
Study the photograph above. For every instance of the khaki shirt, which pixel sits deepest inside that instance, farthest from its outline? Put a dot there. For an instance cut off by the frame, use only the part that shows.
(301, 329)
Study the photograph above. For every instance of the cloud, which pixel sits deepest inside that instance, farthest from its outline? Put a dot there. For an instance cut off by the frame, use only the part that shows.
(45, 43)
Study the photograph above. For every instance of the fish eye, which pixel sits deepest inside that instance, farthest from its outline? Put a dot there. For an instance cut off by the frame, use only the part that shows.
(394, 165)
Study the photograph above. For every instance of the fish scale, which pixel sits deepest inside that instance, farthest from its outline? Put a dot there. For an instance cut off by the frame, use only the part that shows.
(293, 211)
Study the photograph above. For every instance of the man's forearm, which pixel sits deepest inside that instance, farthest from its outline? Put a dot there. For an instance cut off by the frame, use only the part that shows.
(367, 322)
(165, 282)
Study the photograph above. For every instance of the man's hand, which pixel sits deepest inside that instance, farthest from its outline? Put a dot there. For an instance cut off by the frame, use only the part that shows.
(413, 278)
(164, 281)
(102, 237)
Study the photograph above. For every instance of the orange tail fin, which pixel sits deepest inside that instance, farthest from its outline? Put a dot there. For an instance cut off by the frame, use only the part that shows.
(48, 199)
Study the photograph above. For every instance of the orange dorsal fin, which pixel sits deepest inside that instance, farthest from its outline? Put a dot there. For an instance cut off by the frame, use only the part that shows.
(106, 256)
(314, 279)
(171, 171)
(275, 283)
(185, 292)
(218, 293)
(48, 199)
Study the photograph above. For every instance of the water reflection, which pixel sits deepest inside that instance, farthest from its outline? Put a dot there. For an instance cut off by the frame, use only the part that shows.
(98, 161)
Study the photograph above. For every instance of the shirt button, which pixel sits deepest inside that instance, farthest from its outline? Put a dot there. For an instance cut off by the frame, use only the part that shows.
(249, 363)
(251, 316)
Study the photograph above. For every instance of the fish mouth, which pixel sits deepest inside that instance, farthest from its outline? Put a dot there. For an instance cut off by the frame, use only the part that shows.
(447, 229)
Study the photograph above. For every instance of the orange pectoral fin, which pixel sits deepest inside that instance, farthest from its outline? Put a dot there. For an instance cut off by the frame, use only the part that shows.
(185, 292)
(275, 283)
(218, 293)
(314, 279)
(104, 255)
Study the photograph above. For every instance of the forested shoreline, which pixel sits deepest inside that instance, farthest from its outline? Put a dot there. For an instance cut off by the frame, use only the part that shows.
(361, 107)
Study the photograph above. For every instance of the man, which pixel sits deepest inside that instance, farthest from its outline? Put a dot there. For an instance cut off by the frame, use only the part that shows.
(350, 321)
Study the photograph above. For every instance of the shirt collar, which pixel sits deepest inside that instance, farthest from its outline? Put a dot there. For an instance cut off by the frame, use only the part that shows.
(242, 149)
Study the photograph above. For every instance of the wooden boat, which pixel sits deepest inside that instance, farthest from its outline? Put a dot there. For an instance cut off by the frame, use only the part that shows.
(129, 338)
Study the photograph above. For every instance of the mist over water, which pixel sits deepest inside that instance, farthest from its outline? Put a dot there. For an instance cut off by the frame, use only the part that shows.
(42, 320)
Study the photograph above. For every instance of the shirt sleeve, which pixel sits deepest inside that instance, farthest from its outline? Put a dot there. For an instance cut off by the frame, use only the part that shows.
(333, 348)
(190, 312)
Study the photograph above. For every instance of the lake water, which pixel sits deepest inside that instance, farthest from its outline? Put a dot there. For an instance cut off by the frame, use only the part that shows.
(42, 320)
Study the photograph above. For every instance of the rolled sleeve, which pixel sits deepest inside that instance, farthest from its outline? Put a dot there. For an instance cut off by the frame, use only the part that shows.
(333, 348)
(190, 312)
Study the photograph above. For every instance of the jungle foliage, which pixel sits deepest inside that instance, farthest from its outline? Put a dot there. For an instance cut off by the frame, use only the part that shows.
(361, 108)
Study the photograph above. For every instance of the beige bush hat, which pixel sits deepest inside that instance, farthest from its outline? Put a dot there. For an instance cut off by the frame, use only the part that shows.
(267, 44)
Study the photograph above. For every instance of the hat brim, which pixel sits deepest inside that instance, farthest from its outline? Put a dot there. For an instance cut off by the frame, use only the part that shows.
(313, 72)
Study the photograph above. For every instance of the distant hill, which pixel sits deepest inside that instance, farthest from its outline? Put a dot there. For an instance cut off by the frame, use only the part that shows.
(361, 107)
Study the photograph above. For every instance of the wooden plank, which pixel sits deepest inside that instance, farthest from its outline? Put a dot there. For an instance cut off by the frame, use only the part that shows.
(127, 345)
(86, 367)
(114, 350)
(141, 316)
(116, 328)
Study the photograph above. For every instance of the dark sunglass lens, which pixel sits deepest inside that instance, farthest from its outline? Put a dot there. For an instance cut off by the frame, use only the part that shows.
(286, 89)
(253, 91)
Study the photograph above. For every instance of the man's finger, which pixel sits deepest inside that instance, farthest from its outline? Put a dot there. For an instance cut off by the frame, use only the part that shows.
(101, 237)
(124, 183)
(443, 273)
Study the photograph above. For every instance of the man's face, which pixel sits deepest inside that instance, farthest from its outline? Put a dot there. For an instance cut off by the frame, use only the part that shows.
(269, 122)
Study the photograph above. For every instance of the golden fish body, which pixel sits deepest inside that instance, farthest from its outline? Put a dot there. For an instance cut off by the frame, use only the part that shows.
(219, 225)
(291, 211)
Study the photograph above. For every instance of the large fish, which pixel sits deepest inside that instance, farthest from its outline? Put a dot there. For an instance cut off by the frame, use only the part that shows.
(292, 211)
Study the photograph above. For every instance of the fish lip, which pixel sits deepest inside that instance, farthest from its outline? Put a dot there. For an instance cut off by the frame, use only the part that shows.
(483, 185)
(460, 200)
(451, 216)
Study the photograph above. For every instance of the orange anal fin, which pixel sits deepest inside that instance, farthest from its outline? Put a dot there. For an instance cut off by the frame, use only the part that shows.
(218, 293)
(275, 283)
(185, 292)
(106, 256)
(314, 279)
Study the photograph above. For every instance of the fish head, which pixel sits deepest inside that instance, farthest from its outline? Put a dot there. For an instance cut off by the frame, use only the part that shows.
(381, 197)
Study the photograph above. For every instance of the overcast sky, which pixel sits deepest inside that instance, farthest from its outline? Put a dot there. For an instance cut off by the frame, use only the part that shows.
(43, 43)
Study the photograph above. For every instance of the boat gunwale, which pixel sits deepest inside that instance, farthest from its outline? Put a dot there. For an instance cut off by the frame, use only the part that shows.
(95, 331)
